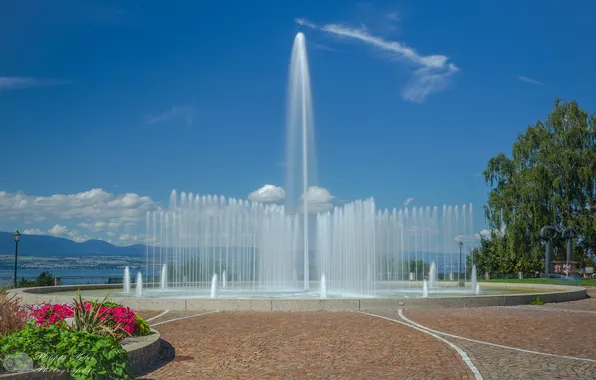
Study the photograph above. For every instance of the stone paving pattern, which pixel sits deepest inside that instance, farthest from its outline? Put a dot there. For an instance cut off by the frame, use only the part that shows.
(303, 345)
(554, 332)
(309, 345)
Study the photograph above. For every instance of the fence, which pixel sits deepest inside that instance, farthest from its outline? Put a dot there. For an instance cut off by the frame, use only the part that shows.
(79, 280)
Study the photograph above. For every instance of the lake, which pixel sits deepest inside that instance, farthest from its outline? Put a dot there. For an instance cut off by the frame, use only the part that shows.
(69, 276)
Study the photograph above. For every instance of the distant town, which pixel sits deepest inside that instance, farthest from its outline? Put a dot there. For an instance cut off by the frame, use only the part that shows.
(72, 262)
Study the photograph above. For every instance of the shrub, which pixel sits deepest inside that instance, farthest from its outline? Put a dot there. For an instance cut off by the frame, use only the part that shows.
(141, 327)
(104, 303)
(83, 355)
(537, 301)
(44, 279)
(12, 317)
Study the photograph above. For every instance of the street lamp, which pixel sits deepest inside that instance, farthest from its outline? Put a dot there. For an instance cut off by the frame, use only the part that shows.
(460, 245)
(17, 237)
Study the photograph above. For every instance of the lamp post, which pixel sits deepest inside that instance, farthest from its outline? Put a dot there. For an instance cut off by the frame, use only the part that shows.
(17, 237)
(460, 244)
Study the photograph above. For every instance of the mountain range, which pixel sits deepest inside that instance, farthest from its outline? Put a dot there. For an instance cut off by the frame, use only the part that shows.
(44, 246)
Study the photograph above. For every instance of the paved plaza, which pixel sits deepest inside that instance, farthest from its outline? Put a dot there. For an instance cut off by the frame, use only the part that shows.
(554, 341)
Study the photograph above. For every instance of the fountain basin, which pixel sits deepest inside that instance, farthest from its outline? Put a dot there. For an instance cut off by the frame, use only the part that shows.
(494, 294)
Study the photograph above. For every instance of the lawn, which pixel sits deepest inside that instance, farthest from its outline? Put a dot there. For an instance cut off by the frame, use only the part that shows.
(582, 282)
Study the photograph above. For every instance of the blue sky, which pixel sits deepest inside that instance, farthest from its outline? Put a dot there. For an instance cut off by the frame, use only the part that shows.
(410, 100)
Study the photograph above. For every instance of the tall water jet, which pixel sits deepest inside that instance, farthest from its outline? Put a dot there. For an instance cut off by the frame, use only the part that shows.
(474, 279)
(139, 286)
(214, 286)
(432, 275)
(300, 132)
(163, 277)
(224, 280)
(425, 289)
(126, 280)
(477, 290)
(323, 286)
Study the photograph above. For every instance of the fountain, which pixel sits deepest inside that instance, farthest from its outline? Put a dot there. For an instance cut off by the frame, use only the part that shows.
(300, 152)
(474, 279)
(272, 251)
(139, 285)
(433, 276)
(214, 286)
(477, 289)
(323, 286)
(163, 277)
(267, 250)
(126, 280)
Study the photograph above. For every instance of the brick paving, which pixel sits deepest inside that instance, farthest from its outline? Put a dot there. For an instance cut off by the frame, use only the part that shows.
(500, 363)
(588, 304)
(355, 346)
(303, 345)
(559, 333)
(555, 332)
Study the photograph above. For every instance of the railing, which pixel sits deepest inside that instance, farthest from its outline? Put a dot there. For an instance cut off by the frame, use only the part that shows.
(74, 280)
(80, 280)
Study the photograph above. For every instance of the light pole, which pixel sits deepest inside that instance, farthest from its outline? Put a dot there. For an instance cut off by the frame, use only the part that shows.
(17, 237)
(460, 245)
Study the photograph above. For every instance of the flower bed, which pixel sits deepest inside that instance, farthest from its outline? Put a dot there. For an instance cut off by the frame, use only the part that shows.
(82, 338)
(120, 318)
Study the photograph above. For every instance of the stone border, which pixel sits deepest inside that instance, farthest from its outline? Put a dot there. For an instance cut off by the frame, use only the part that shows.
(142, 352)
(547, 293)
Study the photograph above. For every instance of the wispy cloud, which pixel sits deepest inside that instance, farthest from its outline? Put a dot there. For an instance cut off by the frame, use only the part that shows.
(323, 47)
(13, 83)
(431, 72)
(305, 22)
(185, 113)
(530, 80)
(408, 201)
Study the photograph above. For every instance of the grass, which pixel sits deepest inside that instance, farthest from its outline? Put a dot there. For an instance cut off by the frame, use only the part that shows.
(582, 282)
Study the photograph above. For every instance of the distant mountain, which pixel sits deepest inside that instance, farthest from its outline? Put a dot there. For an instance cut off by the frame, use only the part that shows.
(43, 245)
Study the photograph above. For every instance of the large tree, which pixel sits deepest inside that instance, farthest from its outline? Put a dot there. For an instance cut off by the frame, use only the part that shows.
(549, 179)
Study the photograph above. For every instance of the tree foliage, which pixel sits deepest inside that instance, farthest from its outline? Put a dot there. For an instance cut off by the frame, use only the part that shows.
(549, 179)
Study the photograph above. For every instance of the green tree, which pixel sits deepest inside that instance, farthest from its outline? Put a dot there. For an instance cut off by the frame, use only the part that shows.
(549, 179)
(43, 279)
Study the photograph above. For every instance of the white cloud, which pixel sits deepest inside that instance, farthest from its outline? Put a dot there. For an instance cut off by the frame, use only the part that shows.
(408, 201)
(267, 193)
(58, 230)
(319, 199)
(32, 231)
(127, 239)
(95, 205)
(94, 210)
(530, 80)
(185, 113)
(318, 195)
(13, 83)
(63, 231)
(100, 226)
(305, 22)
(467, 238)
(431, 74)
(322, 47)
(487, 234)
